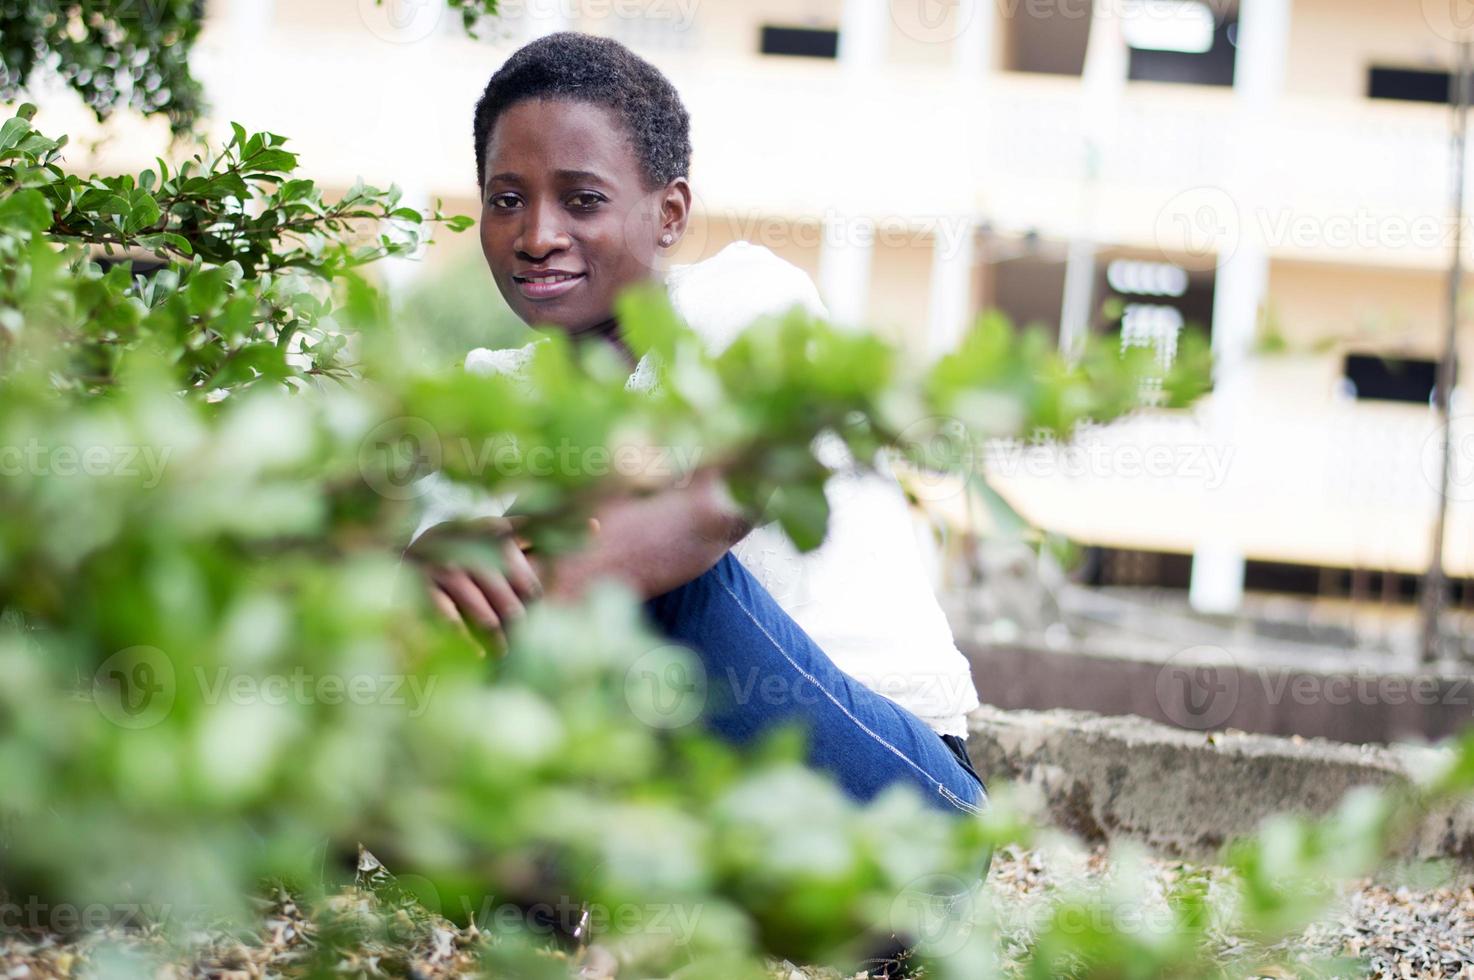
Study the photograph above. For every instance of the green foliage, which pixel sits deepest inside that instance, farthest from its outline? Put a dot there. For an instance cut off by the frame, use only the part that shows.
(251, 252)
(113, 53)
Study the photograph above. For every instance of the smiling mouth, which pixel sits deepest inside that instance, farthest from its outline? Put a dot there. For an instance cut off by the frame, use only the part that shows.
(547, 285)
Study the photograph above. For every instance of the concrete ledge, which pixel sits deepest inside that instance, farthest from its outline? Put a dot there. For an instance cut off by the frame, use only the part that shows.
(1185, 793)
(1209, 687)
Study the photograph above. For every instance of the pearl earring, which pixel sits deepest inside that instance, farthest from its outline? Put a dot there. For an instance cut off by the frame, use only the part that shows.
(665, 240)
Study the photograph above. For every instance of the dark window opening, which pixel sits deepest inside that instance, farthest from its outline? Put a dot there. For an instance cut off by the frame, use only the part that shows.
(800, 42)
(141, 266)
(1049, 41)
(1408, 84)
(1391, 379)
(1102, 566)
(1128, 567)
(1212, 67)
(1029, 290)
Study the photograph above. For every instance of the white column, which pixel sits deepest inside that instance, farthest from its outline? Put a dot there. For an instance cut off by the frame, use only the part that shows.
(844, 268)
(1263, 40)
(242, 34)
(864, 34)
(1239, 287)
(955, 257)
(1242, 280)
(1103, 83)
(953, 267)
(974, 55)
(1079, 293)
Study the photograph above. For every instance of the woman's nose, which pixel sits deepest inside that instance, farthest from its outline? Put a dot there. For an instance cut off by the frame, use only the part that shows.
(542, 233)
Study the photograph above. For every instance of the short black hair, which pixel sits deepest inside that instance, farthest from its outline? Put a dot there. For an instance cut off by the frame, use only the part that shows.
(584, 68)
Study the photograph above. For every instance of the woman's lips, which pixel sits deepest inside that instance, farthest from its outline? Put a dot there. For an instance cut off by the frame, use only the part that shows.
(540, 286)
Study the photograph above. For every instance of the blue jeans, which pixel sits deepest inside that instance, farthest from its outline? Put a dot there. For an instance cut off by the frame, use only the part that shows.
(763, 671)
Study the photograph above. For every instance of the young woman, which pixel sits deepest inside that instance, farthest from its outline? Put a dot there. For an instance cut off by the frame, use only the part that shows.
(582, 159)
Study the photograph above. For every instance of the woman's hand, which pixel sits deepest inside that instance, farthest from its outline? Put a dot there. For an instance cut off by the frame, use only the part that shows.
(485, 596)
(654, 542)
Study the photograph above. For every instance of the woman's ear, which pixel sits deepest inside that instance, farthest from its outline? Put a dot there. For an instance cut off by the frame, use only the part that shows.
(675, 211)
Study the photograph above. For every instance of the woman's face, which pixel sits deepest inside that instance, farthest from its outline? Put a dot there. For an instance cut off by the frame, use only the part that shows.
(566, 219)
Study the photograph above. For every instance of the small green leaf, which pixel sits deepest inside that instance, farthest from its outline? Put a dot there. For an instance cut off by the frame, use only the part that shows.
(803, 512)
(26, 209)
(12, 132)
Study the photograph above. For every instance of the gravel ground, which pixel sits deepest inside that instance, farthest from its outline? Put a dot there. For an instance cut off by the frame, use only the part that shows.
(1391, 932)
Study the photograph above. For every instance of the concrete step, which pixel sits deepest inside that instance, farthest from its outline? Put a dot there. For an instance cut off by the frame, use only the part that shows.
(1186, 794)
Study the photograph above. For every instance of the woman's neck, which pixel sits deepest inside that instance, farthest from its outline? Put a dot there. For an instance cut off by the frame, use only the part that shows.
(609, 332)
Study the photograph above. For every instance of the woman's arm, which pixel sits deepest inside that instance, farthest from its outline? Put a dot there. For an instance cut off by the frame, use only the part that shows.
(654, 543)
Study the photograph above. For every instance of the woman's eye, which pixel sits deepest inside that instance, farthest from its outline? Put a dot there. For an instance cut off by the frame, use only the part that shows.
(504, 201)
(585, 201)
